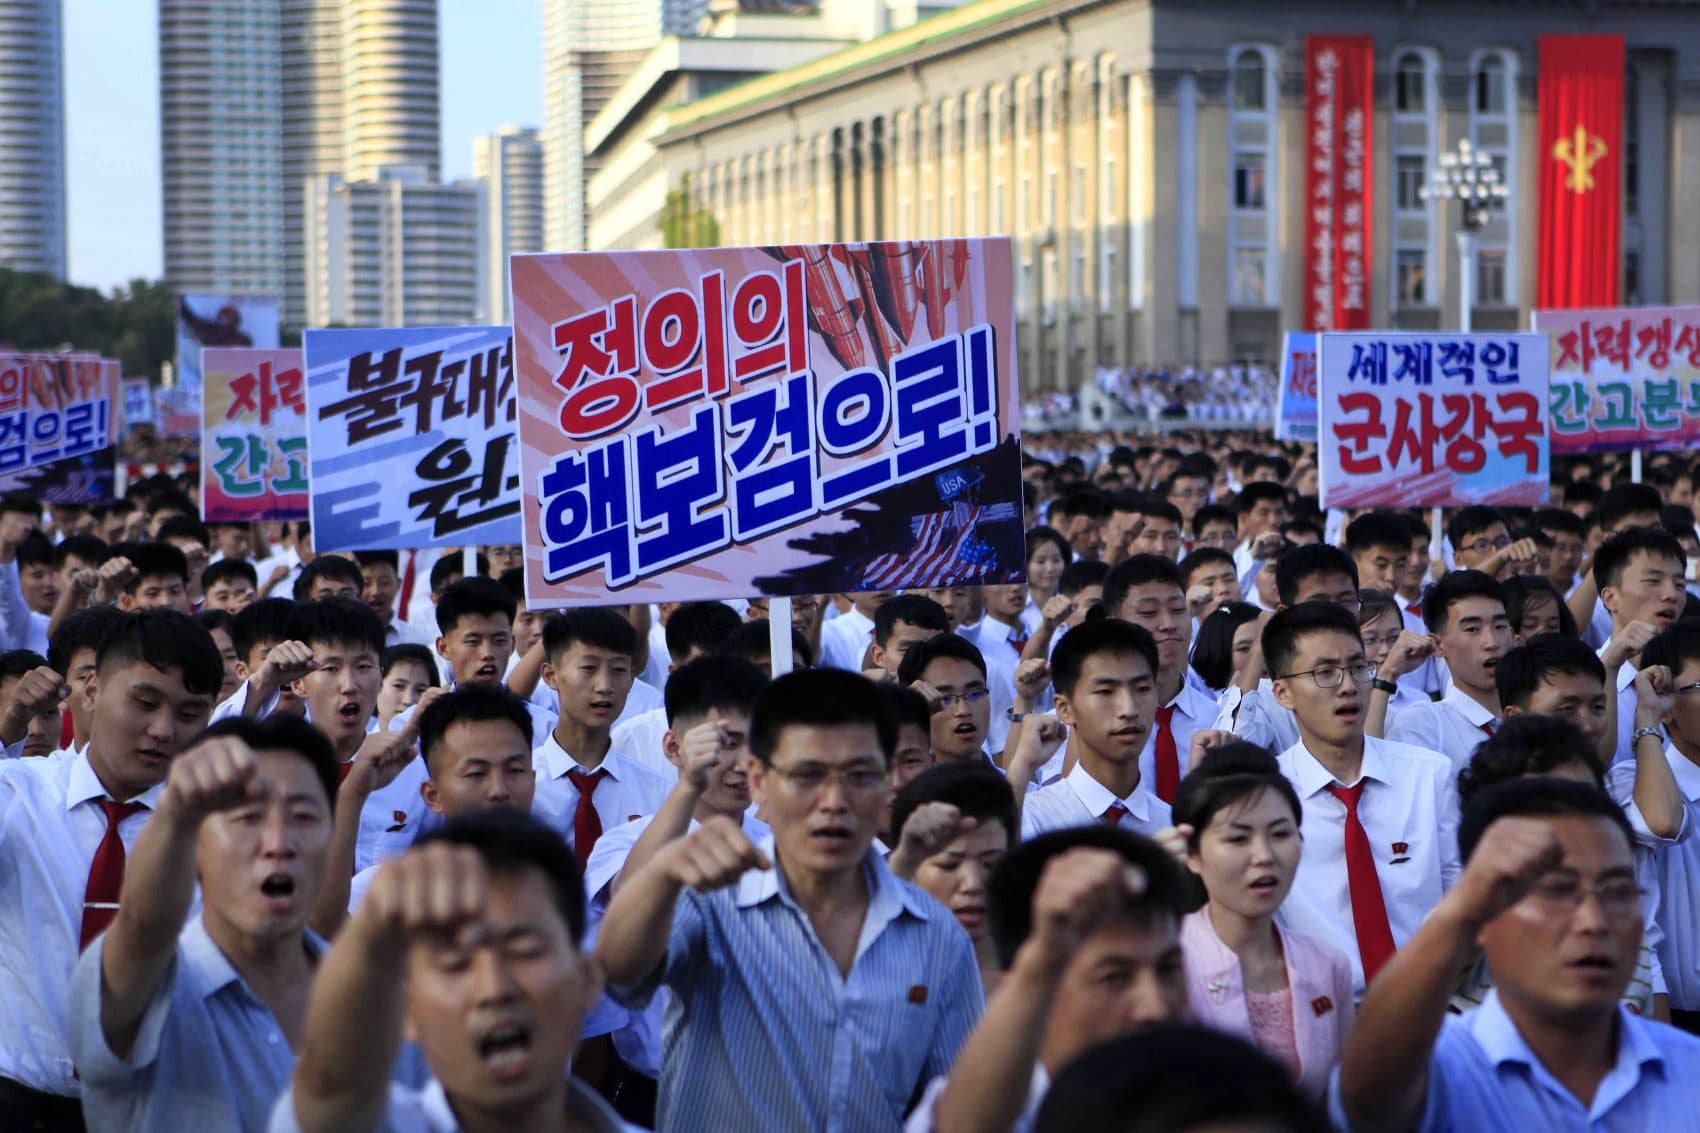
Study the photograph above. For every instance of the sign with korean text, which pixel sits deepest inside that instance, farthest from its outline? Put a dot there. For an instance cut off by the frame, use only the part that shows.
(138, 402)
(1432, 420)
(178, 410)
(731, 422)
(1339, 148)
(253, 436)
(222, 321)
(1295, 404)
(412, 439)
(59, 425)
(1626, 378)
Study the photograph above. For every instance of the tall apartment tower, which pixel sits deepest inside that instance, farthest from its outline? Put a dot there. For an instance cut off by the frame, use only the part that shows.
(589, 47)
(312, 130)
(32, 137)
(510, 165)
(221, 144)
(392, 114)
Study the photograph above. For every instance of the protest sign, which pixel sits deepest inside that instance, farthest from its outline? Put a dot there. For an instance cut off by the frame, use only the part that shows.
(411, 436)
(1295, 404)
(138, 402)
(58, 425)
(730, 422)
(1624, 379)
(1432, 420)
(178, 411)
(253, 436)
(246, 321)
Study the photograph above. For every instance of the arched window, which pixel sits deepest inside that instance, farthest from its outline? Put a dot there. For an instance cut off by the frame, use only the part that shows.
(1250, 81)
(1493, 86)
(1410, 84)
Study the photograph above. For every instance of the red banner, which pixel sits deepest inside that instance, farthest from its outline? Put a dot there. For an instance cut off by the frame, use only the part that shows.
(1339, 131)
(1581, 131)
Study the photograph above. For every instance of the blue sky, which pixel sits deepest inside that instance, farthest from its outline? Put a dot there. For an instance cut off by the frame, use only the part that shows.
(492, 61)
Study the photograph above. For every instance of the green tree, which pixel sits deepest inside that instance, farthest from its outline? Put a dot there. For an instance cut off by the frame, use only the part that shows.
(683, 226)
(135, 324)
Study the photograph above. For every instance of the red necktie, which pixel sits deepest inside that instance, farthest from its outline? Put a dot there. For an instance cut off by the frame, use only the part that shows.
(106, 873)
(1168, 758)
(1113, 814)
(1018, 643)
(342, 770)
(407, 578)
(1488, 728)
(1369, 912)
(587, 824)
(1415, 609)
(67, 733)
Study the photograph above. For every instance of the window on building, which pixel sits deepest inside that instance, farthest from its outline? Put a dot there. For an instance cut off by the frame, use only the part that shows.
(1493, 82)
(1024, 294)
(1249, 172)
(1050, 284)
(1632, 279)
(1107, 191)
(1410, 85)
(1410, 277)
(1409, 171)
(1077, 277)
(1490, 277)
(1631, 145)
(1250, 76)
(1250, 268)
(1106, 274)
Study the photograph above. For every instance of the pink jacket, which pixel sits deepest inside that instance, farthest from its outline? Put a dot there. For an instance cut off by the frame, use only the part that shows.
(1320, 979)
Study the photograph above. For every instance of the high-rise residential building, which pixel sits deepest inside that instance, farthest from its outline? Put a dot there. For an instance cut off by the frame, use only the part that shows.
(221, 144)
(312, 129)
(589, 47)
(389, 87)
(509, 163)
(394, 250)
(32, 137)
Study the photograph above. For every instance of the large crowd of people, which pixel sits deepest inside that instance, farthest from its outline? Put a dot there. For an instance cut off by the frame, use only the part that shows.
(1239, 814)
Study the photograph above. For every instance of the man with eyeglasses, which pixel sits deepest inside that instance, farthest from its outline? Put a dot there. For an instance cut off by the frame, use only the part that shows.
(1380, 818)
(1482, 541)
(950, 671)
(1549, 895)
(820, 987)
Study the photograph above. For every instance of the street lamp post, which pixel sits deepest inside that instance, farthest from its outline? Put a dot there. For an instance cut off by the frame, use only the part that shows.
(1469, 176)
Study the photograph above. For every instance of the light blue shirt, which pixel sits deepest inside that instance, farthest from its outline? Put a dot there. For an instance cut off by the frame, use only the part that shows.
(1483, 1076)
(209, 1054)
(427, 1110)
(764, 1033)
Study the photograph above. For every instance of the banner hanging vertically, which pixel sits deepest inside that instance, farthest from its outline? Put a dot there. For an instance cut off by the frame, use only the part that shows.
(1339, 144)
(1581, 130)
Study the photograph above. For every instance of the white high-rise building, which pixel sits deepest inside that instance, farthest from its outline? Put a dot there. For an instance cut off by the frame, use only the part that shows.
(392, 113)
(32, 137)
(312, 129)
(589, 47)
(509, 163)
(221, 144)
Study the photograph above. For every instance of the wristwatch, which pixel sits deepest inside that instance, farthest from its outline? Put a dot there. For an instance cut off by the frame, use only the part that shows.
(1014, 716)
(1635, 736)
(1382, 685)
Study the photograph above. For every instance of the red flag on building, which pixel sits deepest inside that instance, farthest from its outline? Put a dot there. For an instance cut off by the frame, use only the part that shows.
(1339, 142)
(1581, 92)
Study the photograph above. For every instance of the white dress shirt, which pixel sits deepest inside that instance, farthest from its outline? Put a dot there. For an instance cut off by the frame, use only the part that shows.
(1409, 810)
(50, 825)
(1625, 708)
(399, 632)
(1077, 799)
(1675, 875)
(629, 791)
(640, 739)
(1453, 725)
(845, 639)
(1195, 711)
(1255, 716)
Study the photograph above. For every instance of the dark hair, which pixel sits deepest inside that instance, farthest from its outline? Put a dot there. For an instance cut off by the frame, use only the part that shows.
(260, 621)
(477, 700)
(166, 640)
(1378, 529)
(151, 560)
(1473, 520)
(211, 620)
(1676, 643)
(474, 597)
(1010, 892)
(1170, 1078)
(1373, 604)
(752, 641)
(510, 841)
(229, 570)
(1526, 590)
(697, 627)
(1138, 570)
(822, 697)
(1077, 576)
(337, 621)
(36, 549)
(1091, 638)
(1213, 646)
(1522, 670)
(85, 629)
(1534, 797)
(17, 662)
(1226, 776)
(21, 502)
(916, 609)
(1210, 513)
(1256, 492)
(596, 626)
(695, 688)
(279, 732)
(1202, 558)
(1282, 634)
(1152, 507)
(1525, 745)
(449, 567)
(184, 527)
(513, 581)
(89, 548)
(168, 500)
(1613, 556)
(924, 653)
(391, 559)
(409, 653)
(1454, 586)
(976, 790)
(1308, 561)
(1620, 501)
(327, 566)
(1083, 501)
(1040, 535)
(1550, 519)
(906, 706)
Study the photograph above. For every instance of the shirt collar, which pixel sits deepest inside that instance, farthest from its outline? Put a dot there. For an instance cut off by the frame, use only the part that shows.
(1098, 798)
(1468, 708)
(1686, 773)
(581, 1102)
(1500, 1040)
(557, 759)
(1625, 671)
(209, 971)
(84, 785)
(1311, 776)
(1194, 702)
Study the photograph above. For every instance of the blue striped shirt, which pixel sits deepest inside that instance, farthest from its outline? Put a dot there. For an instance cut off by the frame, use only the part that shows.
(764, 1033)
